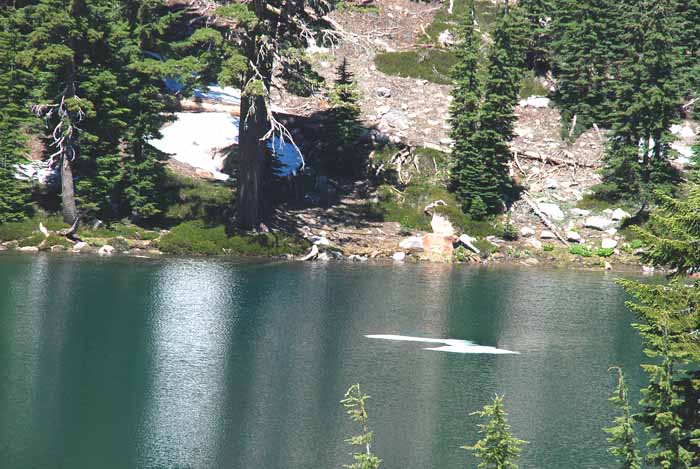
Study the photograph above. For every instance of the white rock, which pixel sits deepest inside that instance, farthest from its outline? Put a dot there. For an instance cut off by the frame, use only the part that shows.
(573, 236)
(597, 223)
(399, 256)
(608, 243)
(446, 141)
(551, 183)
(320, 240)
(441, 225)
(381, 110)
(358, 258)
(412, 244)
(445, 38)
(546, 234)
(79, 246)
(535, 101)
(683, 131)
(552, 211)
(579, 212)
(105, 250)
(526, 232)
(535, 243)
(647, 269)
(611, 231)
(468, 241)
(43, 230)
(323, 257)
(608, 265)
(28, 249)
(619, 214)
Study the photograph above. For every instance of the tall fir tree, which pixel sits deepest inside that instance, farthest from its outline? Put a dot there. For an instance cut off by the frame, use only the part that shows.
(498, 448)
(622, 439)
(539, 36)
(14, 194)
(688, 39)
(647, 103)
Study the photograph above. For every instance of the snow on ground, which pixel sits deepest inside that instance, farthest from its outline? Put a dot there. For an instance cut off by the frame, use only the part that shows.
(199, 140)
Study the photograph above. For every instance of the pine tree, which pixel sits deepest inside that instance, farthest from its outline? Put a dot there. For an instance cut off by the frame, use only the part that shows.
(688, 39)
(622, 436)
(647, 103)
(355, 403)
(538, 14)
(496, 116)
(341, 154)
(498, 449)
(14, 194)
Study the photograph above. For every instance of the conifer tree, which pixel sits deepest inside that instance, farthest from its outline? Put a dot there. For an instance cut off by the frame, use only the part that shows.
(538, 14)
(355, 403)
(498, 449)
(14, 193)
(688, 38)
(623, 442)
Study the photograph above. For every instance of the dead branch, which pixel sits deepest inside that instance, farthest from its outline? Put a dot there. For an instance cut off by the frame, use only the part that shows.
(531, 155)
(543, 217)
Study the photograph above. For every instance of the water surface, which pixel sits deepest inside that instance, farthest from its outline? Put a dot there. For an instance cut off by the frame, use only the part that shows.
(128, 363)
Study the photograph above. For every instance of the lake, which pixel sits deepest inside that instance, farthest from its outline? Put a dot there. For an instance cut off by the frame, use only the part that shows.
(199, 363)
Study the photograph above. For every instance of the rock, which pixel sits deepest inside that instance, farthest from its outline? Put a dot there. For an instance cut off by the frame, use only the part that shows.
(468, 242)
(579, 212)
(383, 92)
(535, 101)
(546, 234)
(441, 225)
(551, 183)
(381, 110)
(397, 119)
(57, 248)
(320, 240)
(447, 141)
(683, 131)
(446, 38)
(647, 269)
(526, 232)
(438, 247)
(530, 261)
(611, 231)
(28, 249)
(552, 211)
(323, 257)
(43, 230)
(573, 236)
(597, 223)
(608, 265)
(608, 243)
(358, 258)
(3, 247)
(535, 243)
(619, 214)
(106, 250)
(79, 246)
(412, 244)
(399, 256)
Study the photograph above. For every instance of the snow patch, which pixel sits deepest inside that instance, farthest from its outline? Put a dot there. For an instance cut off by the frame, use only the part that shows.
(449, 345)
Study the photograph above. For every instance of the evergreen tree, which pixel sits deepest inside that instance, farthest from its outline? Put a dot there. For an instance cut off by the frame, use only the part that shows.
(469, 175)
(355, 403)
(622, 436)
(688, 39)
(496, 116)
(14, 194)
(538, 14)
(341, 152)
(648, 98)
(498, 449)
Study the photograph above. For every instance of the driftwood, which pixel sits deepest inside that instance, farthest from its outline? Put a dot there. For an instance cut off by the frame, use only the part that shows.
(531, 155)
(543, 217)
(313, 254)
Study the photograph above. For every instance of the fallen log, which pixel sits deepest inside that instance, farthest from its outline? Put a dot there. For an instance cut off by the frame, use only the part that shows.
(531, 155)
(543, 217)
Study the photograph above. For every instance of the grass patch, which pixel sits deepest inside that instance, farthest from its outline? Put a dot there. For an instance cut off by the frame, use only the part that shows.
(32, 240)
(198, 238)
(486, 12)
(591, 202)
(531, 86)
(604, 252)
(192, 199)
(118, 229)
(548, 248)
(428, 64)
(25, 228)
(347, 7)
(579, 250)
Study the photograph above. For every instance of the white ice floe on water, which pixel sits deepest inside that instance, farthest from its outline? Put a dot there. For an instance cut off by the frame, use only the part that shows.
(449, 345)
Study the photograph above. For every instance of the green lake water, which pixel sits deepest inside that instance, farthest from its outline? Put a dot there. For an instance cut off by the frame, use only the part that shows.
(174, 363)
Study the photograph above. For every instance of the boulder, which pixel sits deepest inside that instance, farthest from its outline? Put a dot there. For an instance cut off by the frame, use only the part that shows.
(546, 234)
(446, 38)
(579, 212)
(551, 183)
(608, 265)
(441, 225)
(412, 244)
(358, 258)
(438, 247)
(468, 242)
(320, 240)
(527, 232)
(79, 246)
(535, 101)
(597, 223)
(106, 250)
(383, 92)
(3, 247)
(573, 236)
(323, 257)
(552, 211)
(619, 214)
(535, 243)
(57, 248)
(399, 256)
(397, 119)
(608, 243)
(28, 249)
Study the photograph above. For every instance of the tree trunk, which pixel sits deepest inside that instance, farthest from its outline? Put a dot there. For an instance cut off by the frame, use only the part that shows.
(70, 212)
(251, 164)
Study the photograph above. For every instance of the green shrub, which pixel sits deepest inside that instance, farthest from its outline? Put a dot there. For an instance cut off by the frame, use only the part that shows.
(25, 228)
(579, 250)
(195, 237)
(32, 240)
(348, 7)
(604, 252)
(591, 202)
(193, 199)
(56, 240)
(548, 247)
(118, 229)
(531, 86)
(433, 65)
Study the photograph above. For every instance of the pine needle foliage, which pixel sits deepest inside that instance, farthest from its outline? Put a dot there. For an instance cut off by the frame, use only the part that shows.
(355, 404)
(622, 439)
(498, 449)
